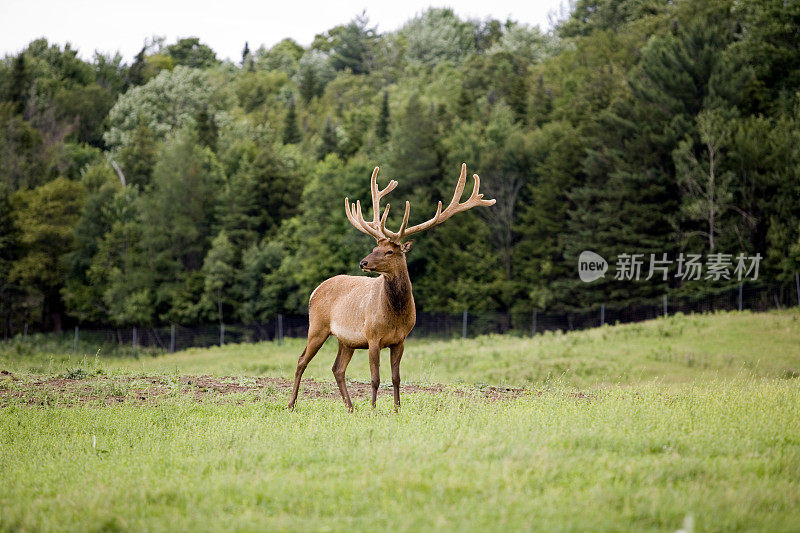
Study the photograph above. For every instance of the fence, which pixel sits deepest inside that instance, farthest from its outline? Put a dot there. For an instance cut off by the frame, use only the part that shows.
(172, 338)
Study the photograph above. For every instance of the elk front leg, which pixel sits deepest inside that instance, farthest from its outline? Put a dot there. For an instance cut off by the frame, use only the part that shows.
(339, 368)
(395, 356)
(315, 342)
(374, 368)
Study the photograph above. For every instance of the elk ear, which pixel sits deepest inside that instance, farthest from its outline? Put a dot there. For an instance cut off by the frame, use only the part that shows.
(406, 246)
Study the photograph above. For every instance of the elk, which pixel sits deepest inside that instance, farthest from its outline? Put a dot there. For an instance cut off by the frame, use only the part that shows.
(374, 312)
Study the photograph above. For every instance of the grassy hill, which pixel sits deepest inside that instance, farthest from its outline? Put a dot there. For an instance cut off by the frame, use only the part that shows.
(692, 420)
(676, 349)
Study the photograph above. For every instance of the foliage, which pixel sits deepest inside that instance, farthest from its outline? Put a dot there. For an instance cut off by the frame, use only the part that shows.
(637, 126)
(170, 101)
(190, 52)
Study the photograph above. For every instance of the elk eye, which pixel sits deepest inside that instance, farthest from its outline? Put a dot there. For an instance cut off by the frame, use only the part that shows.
(389, 252)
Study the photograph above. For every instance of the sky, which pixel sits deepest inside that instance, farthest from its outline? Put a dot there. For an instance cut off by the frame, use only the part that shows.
(224, 25)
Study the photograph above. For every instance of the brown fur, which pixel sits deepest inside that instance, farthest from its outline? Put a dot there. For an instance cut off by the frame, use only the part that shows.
(362, 312)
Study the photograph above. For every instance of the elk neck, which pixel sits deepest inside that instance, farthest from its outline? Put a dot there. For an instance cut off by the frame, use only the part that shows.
(397, 288)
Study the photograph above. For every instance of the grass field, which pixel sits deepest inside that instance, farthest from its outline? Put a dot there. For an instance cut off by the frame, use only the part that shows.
(678, 422)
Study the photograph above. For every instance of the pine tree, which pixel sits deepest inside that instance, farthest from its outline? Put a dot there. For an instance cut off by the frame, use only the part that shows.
(541, 103)
(138, 71)
(220, 275)
(382, 128)
(330, 141)
(138, 158)
(207, 130)
(9, 248)
(291, 133)
(414, 149)
(245, 53)
(20, 83)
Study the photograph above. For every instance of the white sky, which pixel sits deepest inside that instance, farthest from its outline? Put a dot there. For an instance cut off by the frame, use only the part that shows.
(224, 25)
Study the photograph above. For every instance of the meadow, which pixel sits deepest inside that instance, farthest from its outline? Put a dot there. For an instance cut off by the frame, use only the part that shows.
(686, 422)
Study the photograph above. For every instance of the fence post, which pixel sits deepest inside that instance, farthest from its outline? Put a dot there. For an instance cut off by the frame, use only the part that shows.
(533, 323)
(75, 343)
(797, 286)
(740, 296)
(603, 314)
(665, 305)
(280, 329)
(464, 325)
(25, 333)
(221, 333)
(172, 338)
(133, 342)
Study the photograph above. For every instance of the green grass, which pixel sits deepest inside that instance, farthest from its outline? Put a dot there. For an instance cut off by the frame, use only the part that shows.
(690, 419)
(676, 350)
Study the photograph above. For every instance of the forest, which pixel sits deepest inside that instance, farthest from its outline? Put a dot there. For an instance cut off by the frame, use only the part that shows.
(181, 188)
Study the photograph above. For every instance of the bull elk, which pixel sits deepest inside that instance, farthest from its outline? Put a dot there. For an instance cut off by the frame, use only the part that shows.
(373, 313)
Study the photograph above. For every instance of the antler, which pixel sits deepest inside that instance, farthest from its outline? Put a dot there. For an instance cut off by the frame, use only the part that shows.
(377, 227)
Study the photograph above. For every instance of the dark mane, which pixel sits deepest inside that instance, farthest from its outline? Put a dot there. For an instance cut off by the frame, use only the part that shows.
(397, 293)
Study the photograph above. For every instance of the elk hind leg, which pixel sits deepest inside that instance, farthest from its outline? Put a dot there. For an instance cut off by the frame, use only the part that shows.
(374, 369)
(339, 369)
(395, 356)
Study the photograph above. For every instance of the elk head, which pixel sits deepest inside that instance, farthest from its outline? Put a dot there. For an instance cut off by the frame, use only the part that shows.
(387, 256)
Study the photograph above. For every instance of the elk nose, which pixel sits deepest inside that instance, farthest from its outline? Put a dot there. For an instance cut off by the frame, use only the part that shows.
(363, 263)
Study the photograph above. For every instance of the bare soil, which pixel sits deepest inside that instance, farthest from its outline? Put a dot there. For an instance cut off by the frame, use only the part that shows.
(141, 390)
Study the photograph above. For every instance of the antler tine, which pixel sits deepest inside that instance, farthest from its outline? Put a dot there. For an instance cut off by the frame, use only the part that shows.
(378, 194)
(382, 226)
(475, 199)
(377, 228)
(364, 224)
(462, 180)
(404, 224)
(356, 218)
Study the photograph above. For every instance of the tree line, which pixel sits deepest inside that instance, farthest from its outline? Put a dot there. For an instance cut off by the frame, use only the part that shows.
(182, 188)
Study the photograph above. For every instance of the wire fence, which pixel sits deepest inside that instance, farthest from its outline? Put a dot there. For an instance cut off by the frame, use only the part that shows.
(171, 338)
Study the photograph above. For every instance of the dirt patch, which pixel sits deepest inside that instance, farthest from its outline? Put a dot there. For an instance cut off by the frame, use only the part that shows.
(140, 390)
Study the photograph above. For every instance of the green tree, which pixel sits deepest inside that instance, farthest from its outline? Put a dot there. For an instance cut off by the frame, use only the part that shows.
(170, 101)
(329, 140)
(414, 148)
(259, 262)
(247, 57)
(178, 214)
(82, 295)
(138, 157)
(26, 159)
(314, 72)
(707, 187)
(437, 35)
(284, 57)
(207, 130)
(351, 44)
(192, 53)
(220, 275)
(20, 84)
(9, 249)
(45, 218)
(589, 16)
(291, 133)
(382, 127)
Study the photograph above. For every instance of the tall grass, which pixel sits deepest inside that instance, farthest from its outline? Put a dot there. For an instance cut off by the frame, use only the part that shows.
(677, 349)
(644, 458)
